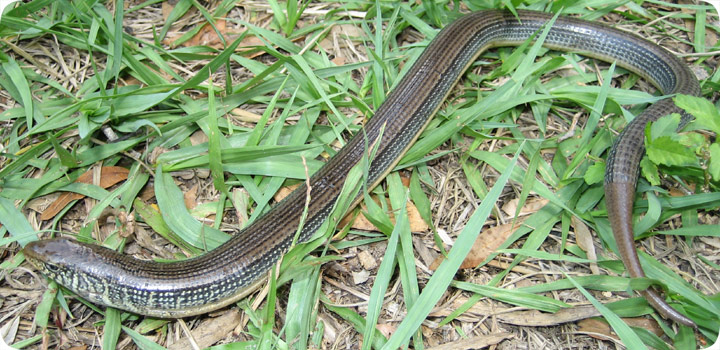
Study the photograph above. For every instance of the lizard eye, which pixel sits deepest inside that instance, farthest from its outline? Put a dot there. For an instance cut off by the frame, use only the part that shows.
(51, 268)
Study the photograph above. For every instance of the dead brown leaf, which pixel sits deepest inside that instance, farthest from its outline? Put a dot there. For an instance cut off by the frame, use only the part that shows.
(676, 192)
(530, 318)
(241, 199)
(198, 137)
(417, 224)
(284, 192)
(535, 318)
(190, 197)
(210, 331)
(246, 116)
(167, 7)
(711, 37)
(366, 259)
(594, 326)
(147, 193)
(129, 80)
(249, 43)
(645, 323)
(530, 207)
(478, 342)
(486, 243)
(341, 35)
(386, 329)
(584, 239)
(208, 36)
(110, 175)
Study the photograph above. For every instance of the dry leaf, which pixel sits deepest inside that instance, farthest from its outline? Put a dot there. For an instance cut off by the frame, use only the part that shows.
(341, 35)
(190, 197)
(477, 342)
(147, 193)
(246, 116)
(330, 331)
(531, 318)
(128, 81)
(426, 255)
(198, 137)
(284, 192)
(676, 192)
(711, 37)
(167, 7)
(584, 239)
(367, 260)
(593, 326)
(110, 175)
(210, 331)
(417, 224)
(531, 206)
(598, 326)
(241, 199)
(645, 323)
(360, 277)
(486, 243)
(248, 44)
(535, 318)
(9, 330)
(386, 329)
(208, 36)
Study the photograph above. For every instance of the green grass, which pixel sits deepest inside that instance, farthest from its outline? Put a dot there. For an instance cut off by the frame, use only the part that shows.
(56, 132)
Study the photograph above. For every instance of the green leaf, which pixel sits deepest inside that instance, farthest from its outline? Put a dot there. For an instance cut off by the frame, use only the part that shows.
(628, 337)
(111, 331)
(278, 14)
(704, 111)
(714, 166)
(665, 126)
(650, 171)
(237, 156)
(137, 101)
(385, 272)
(15, 222)
(514, 297)
(180, 8)
(152, 217)
(141, 341)
(178, 218)
(5, 4)
(116, 56)
(356, 320)
(598, 106)
(438, 283)
(302, 300)
(214, 143)
(595, 173)
(204, 72)
(66, 158)
(12, 69)
(42, 312)
(666, 151)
